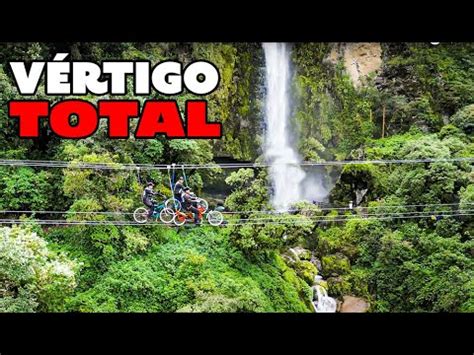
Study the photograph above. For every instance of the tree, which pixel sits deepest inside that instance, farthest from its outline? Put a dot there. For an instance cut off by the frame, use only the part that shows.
(249, 192)
(32, 277)
(464, 119)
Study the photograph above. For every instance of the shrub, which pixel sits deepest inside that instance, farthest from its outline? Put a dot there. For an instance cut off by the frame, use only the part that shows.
(32, 277)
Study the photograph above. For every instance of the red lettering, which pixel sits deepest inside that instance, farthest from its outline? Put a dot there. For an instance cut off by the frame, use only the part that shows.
(157, 117)
(161, 117)
(119, 114)
(28, 113)
(197, 124)
(87, 120)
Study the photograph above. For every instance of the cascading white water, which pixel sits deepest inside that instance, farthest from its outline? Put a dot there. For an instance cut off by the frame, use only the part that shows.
(285, 172)
(322, 302)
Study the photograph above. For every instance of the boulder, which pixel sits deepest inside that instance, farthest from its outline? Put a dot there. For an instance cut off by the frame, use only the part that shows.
(335, 264)
(288, 259)
(306, 271)
(322, 283)
(316, 262)
(353, 304)
(339, 286)
(301, 253)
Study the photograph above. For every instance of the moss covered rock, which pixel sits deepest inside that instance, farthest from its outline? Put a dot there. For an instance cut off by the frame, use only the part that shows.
(306, 270)
(338, 286)
(322, 283)
(335, 264)
(301, 253)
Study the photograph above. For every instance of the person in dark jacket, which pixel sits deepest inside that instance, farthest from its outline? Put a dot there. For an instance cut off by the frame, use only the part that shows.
(189, 204)
(178, 189)
(147, 197)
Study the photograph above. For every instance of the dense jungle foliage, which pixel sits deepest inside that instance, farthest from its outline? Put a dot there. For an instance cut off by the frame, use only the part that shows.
(419, 105)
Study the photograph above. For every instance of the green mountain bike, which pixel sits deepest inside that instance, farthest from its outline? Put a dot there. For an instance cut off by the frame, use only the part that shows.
(164, 211)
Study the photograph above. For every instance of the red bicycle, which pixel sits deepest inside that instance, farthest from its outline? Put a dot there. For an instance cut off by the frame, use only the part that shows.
(215, 218)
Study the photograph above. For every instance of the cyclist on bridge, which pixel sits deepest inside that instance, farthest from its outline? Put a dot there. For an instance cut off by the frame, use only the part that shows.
(178, 190)
(147, 197)
(189, 204)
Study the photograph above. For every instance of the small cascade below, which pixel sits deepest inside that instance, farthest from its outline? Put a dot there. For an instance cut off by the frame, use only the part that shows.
(322, 303)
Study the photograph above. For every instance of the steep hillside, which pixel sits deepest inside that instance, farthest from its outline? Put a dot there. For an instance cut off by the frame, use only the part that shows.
(405, 245)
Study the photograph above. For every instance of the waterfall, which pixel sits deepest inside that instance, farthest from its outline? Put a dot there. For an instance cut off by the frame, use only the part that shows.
(322, 302)
(285, 171)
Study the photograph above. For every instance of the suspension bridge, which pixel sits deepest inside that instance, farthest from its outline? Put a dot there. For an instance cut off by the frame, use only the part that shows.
(290, 216)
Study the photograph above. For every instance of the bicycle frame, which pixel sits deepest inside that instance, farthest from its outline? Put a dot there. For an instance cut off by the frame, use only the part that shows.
(157, 207)
(189, 214)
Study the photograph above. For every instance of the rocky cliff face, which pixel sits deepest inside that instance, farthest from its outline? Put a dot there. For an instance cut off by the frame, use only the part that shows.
(360, 59)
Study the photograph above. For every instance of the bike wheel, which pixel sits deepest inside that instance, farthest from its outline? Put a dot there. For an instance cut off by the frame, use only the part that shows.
(167, 215)
(215, 218)
(179, 220)
(173, 204)
(140, 215)
(203, 203)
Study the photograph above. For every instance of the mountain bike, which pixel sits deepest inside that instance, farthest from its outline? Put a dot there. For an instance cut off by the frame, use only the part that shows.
(160, 210)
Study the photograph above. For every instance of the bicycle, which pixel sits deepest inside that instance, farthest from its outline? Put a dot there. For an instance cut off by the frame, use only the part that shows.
(215, 218)
(203, 203)
(161, 211)
(174, 204)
